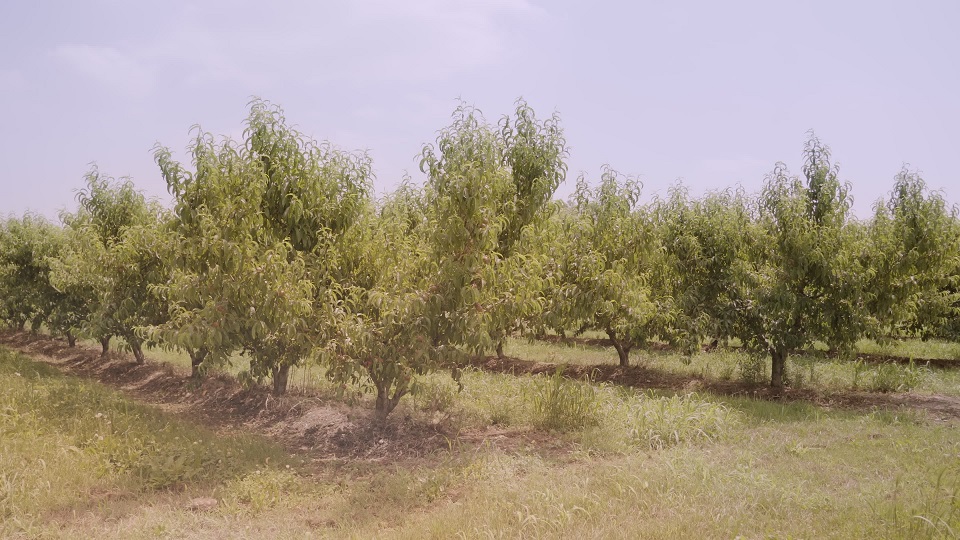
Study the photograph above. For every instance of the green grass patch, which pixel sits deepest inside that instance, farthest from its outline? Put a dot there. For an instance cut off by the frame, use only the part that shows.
(600, 417)
(842, 476)
(803, 370)
(66, 441)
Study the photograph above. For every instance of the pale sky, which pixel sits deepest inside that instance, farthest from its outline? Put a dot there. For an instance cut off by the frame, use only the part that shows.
(713, 93)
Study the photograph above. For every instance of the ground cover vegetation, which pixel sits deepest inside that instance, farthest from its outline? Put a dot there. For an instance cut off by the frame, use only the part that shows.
(541, 456)
(473, 357)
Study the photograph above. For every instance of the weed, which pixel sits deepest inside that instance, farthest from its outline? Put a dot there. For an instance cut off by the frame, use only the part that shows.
(726, 372)
(657, 422)
(891, 377)
(804, 373)
(493, 399)
(859, 368)
(898, 416)
(261, 489)
(926, 512)
(433, 395)
(753, 369)
(562, 404)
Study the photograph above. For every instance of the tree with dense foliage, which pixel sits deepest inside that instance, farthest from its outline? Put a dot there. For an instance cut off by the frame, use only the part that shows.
(441, 271)
(604, 252)
(914, 253)
(27, 246)
(705, 248)
(386, 335)
(487, 191)
(534, 153)
(806, 279)
(112, 260)
(257, 231)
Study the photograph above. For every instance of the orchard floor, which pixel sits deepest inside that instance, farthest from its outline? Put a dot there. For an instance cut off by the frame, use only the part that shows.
(812, 462)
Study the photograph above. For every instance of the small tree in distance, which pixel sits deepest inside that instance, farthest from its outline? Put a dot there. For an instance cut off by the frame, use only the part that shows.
(605, 251)
(111, 261)
(914, 252)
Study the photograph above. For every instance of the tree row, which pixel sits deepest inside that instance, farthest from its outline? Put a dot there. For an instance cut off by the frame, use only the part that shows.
(274, 248)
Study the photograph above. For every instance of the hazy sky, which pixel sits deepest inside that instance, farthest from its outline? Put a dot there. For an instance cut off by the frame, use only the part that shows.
(713, 93)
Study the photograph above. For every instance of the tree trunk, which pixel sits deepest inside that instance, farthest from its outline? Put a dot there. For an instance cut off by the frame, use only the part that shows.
(71, 339)
(778, 372)
(385, 403)
(622, 351)
(196, 360)
(281, 375)
(105, 344)
(500, 354)
(137, 349)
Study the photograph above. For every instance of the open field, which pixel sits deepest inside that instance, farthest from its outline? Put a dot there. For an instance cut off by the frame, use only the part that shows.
(128, 451)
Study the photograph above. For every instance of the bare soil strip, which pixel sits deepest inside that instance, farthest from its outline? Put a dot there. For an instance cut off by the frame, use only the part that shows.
(318, 429)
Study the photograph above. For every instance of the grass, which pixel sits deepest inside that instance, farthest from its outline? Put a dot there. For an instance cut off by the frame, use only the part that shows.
(841, 476)
(804, 370)
(598, 418)
(912, 348)
(79, 460)
(66, 444)
(811, 370)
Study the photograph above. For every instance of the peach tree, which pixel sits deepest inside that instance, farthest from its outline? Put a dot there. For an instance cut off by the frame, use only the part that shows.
(604, 251)
(805, 278)
(27, 246)
(914, 248)
(255, 244)
(705, 246)
(111, 262)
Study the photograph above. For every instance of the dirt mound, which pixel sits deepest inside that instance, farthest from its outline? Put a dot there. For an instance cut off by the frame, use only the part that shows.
(303, 423)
